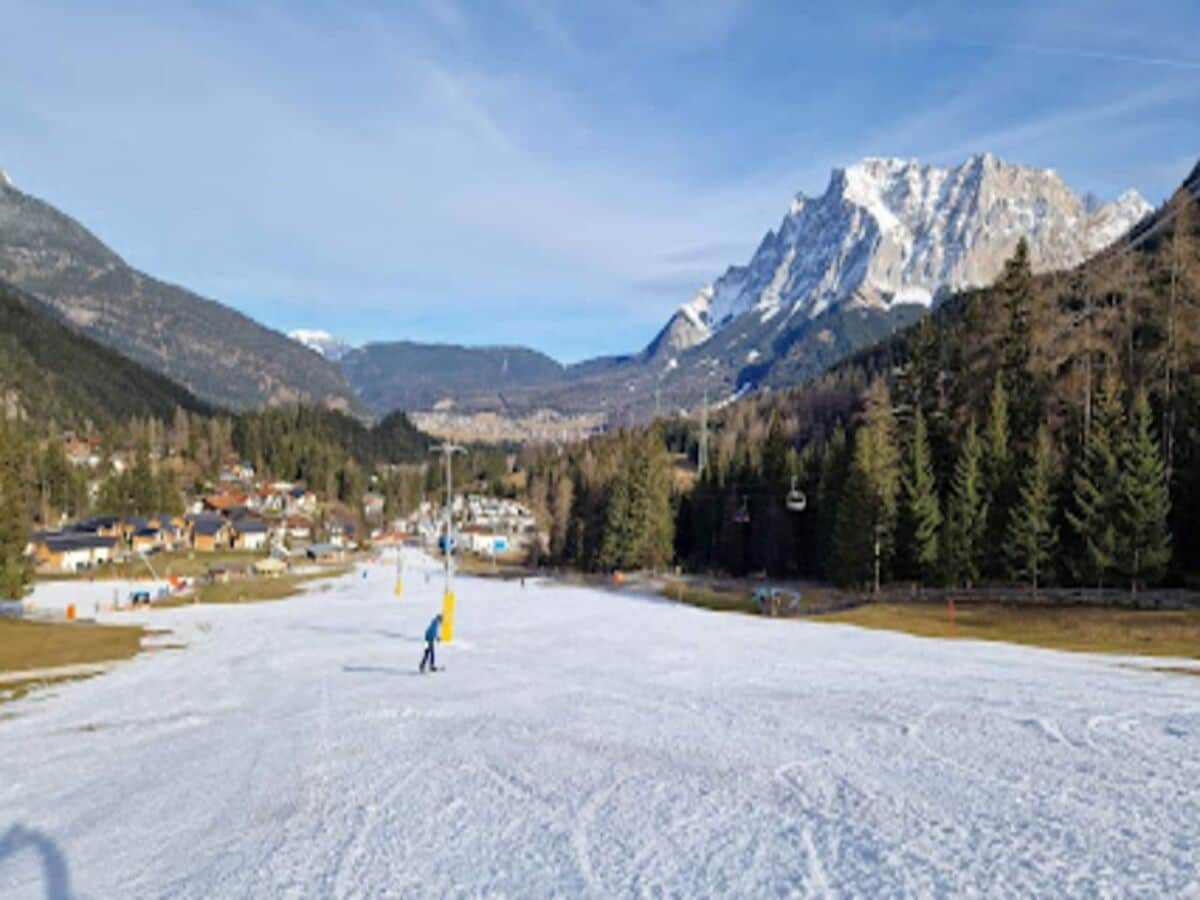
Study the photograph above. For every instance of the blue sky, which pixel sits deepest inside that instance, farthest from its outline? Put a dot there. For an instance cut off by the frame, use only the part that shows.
(561, 175)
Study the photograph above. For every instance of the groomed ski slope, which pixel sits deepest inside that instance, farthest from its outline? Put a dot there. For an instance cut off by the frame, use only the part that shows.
(583, 743)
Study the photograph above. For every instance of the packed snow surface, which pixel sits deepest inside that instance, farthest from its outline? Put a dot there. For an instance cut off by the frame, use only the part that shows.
(90, 598)
(587, 743)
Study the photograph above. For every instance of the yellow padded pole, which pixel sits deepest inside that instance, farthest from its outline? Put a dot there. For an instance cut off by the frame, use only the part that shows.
(448, 617)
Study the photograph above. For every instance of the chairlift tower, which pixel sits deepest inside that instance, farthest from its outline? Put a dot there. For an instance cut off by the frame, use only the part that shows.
(448, 449)
(702, 454)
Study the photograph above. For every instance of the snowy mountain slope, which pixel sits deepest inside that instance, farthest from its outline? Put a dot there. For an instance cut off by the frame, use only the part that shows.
(585, 743)
(330, 347)
(886, 240)
(890, 231)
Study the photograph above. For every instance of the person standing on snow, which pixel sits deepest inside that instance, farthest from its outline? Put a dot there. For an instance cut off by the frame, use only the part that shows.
(433, 634)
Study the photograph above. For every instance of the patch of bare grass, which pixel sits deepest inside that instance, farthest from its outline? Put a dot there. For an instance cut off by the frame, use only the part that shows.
(258, 589)
(26, 645)
(1087, 629)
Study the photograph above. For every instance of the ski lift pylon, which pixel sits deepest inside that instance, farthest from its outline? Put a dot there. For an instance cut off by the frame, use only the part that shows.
(796, 501)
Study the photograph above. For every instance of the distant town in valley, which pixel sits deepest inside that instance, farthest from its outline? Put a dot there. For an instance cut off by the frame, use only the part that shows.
(254, 526)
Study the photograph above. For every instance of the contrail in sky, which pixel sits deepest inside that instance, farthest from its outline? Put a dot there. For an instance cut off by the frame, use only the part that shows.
(1166, 62)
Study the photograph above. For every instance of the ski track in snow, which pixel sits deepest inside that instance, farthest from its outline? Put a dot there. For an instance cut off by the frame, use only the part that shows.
(584, 743)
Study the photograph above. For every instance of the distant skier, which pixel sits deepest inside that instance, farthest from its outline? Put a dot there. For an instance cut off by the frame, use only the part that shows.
(433, 634)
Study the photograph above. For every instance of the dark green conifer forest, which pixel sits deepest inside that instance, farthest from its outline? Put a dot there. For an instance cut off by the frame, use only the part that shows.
(1044, 431)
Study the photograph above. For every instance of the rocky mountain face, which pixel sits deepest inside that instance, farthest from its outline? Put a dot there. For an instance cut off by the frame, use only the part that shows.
(888, 232)
(883, 244)
(217, 353)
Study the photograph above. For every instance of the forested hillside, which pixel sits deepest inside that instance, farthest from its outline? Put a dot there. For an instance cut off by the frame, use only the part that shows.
(406, 375)
(1045, 430)
(52, 373)
(333, 454)
(328, 450)
(1041, 431)
(221, 355)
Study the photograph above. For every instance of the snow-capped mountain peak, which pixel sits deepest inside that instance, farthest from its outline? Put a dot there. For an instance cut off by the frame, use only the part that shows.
(890, 231)
(330, 347)
(5, 180)
(696, 309)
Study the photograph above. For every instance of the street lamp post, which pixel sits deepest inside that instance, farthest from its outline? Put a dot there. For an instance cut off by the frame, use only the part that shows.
(447, 449)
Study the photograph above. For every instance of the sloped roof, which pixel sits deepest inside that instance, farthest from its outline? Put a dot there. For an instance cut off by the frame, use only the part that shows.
(66, 542)
(208, 526)
(94, 523)
(225, 501)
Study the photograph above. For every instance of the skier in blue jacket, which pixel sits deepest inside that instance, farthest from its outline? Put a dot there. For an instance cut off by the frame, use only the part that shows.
(433, 634)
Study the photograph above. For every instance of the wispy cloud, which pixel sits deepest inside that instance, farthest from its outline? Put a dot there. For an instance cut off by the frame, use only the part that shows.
(1083, 53)
(1068, 123)
(705, 253)
(387, 170)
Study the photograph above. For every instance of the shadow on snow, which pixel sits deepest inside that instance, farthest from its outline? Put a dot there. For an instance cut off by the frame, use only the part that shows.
(55, 873)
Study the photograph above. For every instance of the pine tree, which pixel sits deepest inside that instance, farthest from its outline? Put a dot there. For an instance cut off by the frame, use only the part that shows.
(776, 535)
(170, 501)
(853, 544)
(998, 479)
(614, 548)
(921, 499)
(1015, 286)
(641, 497)
(55, 483)
(658, 537)
(181, 434)
(924, 359)
(562, 503)
(143, 491)
(967, 514)
(835, 467)
(923, 375)
(14, 566)
(1094, 496)
(1143, 542)
(637, 523)
(1032, 536)
(868, 516)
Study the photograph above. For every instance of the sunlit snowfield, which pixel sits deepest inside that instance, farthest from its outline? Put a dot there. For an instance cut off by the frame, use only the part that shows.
(582, 743)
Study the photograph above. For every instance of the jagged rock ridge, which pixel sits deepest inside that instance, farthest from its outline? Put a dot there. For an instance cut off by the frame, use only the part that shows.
(890, 231)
